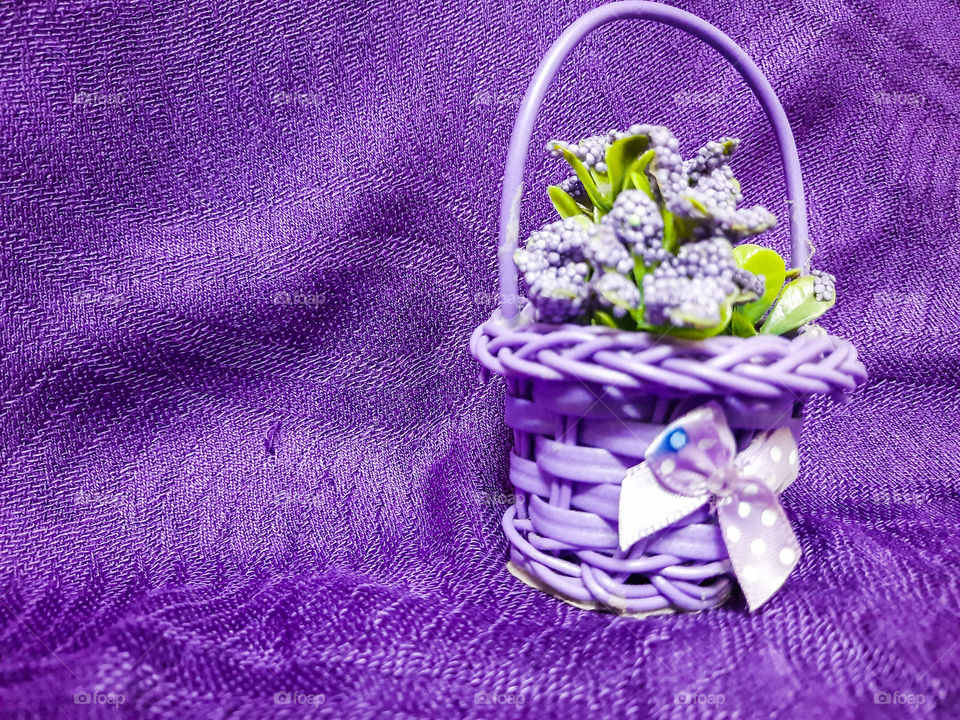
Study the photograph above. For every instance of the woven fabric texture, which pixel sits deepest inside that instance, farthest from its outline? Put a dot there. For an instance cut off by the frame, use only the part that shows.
(248, 470)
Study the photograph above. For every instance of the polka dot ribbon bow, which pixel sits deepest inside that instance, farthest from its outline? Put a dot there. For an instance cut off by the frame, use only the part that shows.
(695, 461)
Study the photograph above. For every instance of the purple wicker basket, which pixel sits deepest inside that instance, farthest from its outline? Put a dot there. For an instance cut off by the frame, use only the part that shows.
(584, 402)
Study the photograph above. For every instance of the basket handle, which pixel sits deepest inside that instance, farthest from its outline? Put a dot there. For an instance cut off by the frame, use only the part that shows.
(547, 71)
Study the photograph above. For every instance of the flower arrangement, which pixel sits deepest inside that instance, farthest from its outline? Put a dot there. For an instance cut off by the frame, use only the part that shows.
(648, 241)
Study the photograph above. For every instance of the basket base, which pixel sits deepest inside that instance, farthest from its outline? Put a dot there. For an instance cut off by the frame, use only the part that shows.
(536, 584)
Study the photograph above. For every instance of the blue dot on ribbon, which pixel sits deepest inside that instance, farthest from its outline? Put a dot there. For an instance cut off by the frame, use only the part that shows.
(677, 439)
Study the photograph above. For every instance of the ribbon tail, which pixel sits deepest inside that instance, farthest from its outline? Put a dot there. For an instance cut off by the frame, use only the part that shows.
(760, 542)
(646, 506)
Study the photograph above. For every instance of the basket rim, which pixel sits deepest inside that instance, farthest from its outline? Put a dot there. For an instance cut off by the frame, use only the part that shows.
(762, 366)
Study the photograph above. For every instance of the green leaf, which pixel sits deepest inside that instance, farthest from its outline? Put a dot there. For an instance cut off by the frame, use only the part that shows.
(766, 262)
(637, 174)
(583, 221)
(639, 181)
(682, 229)
(689, 329)
(741, 325)
(639, 319)
(797, 306)
(620, 158)
(669, 232)
(602, 181)
(586, 179)
(564, 202)
(687, 322)
(699, 206)
(603, 318)
(639, 270)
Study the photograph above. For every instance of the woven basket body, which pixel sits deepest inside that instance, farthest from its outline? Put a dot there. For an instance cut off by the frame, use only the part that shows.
(571, 448)
(584, 402)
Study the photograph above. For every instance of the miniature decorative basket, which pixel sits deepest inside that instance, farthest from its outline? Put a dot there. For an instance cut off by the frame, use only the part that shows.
(585, 402)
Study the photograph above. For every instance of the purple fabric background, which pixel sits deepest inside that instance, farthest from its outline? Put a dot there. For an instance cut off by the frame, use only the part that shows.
(244, 449)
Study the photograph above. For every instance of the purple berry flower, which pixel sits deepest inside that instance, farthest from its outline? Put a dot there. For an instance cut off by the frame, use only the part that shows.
(825, 285)
(689, 289)
(617, 292)
(638, 224)
(605, 252)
